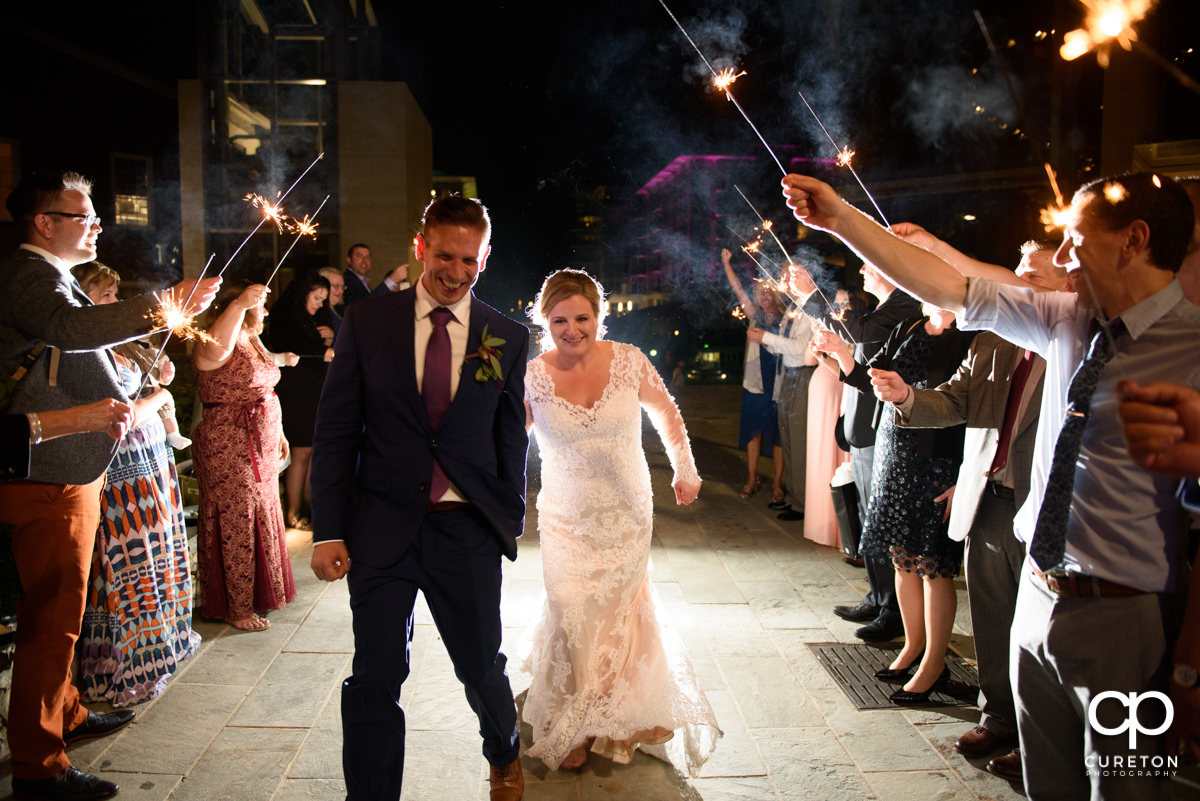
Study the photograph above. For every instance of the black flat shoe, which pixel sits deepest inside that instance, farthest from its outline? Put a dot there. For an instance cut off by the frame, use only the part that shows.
(893, 675)
(906, 698)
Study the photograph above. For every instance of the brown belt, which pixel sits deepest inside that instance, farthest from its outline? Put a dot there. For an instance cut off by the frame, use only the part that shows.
(1002, 492)
(1079, 585)
(444, 506)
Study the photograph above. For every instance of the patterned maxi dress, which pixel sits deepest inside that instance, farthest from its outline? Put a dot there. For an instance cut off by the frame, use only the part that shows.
(243, 558)
(605, 664)
(137, 625)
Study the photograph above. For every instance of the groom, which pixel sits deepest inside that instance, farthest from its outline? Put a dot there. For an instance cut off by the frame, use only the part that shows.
(418, 478)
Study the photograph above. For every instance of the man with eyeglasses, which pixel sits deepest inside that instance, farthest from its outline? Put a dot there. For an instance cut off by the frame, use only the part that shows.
(56, 511)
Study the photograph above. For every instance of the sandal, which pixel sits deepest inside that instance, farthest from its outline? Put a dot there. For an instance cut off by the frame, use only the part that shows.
(749, 490)
(300, 524)
(777, 500)
(252, 623)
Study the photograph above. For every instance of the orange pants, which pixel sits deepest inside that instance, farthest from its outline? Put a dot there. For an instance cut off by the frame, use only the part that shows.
(54, 534)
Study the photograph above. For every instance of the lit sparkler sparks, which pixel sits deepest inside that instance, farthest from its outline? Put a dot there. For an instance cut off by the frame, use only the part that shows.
(271, 211)
(738, 314)
(173, 316)
(792, 292)
(303, 228)
(1058, 215)
(843, 160)
(1107, 21)
(723, 80)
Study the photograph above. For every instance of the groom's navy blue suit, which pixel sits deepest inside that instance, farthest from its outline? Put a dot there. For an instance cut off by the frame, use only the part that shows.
(373, 455)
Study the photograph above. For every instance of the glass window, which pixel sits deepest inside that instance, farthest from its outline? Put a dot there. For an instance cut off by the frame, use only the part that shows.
(131, 190)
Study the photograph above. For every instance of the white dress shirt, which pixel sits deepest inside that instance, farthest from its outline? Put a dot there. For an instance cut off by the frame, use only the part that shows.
(1125, 524)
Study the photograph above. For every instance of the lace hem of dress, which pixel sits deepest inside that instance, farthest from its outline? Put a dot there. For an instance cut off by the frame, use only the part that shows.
(923, 566)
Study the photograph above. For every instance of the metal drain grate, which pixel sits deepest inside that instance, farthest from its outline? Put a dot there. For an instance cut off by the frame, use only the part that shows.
(853, 668)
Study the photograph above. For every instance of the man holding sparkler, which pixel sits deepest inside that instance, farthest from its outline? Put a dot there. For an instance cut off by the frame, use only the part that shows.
(56, 512)
(1104, 538)
(418, 478)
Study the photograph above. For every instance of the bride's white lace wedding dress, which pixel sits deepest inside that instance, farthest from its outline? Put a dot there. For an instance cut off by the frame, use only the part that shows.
(605, 664)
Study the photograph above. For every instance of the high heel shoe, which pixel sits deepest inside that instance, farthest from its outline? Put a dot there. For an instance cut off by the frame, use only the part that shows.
(906, 698)
(898, 674)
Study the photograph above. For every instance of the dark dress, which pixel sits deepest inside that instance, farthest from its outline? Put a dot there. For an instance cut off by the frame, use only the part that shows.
(243, 558)
(914, 466)
(299, 387)
(760, 414)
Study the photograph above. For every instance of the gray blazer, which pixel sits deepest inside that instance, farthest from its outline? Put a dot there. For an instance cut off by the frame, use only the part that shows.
(40, 302)
(978, 396)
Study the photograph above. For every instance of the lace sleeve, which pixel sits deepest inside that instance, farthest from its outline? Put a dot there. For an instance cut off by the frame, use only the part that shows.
(667, 420)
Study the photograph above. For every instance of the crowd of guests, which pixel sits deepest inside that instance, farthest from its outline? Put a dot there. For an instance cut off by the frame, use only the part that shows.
(1001, 450)
(99, 540)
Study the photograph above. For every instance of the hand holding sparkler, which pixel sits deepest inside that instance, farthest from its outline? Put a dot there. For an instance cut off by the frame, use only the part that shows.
(889, 386)
(829, 343)
(190, 297)
(755, 334)
(814, 202)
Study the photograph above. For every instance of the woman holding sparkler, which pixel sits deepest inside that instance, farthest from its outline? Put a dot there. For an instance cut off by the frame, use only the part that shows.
(759, 428)
(609, 675)
(137, 625)
(294, 329)
(912, 486)
(243, 559)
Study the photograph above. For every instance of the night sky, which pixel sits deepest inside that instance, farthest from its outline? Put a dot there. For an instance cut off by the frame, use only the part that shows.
(540, 101)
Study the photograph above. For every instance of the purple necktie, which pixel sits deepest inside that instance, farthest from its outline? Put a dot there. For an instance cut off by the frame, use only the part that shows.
(435, 390)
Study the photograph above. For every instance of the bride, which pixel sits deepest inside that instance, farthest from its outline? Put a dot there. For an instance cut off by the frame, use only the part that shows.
(608, 674)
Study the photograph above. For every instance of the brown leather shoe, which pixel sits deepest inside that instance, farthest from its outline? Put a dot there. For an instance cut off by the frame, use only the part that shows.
(1008, 767)
(508, 783)
(979, 742)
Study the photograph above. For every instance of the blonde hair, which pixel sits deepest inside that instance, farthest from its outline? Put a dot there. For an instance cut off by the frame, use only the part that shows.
(560, 286)
(95, 275)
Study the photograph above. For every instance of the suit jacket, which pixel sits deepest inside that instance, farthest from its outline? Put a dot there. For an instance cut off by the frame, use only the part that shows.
(356, 291)
(860, 412)
(41, 303)
(978, 396)
(374, 448)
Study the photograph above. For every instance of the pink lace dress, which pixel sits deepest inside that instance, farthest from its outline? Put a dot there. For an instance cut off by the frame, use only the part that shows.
(243, 562)
(605, 664)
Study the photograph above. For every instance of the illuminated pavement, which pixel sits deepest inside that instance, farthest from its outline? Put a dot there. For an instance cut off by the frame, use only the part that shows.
(255, 715)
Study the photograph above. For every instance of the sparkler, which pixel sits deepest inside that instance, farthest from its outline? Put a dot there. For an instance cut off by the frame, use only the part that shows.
(271, 211)
(790, 291)
(845, 154)
(302, 228)
(1058, 215)
(1107, 21)
(173, 316)
(723, 80)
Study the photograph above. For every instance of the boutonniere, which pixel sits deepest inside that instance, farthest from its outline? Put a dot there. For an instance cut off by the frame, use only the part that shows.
(489, 358)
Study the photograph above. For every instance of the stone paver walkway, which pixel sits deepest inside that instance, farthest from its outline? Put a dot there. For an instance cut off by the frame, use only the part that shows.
(254, 716)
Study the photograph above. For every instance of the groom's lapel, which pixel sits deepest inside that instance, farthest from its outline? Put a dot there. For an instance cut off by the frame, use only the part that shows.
(406, 361)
